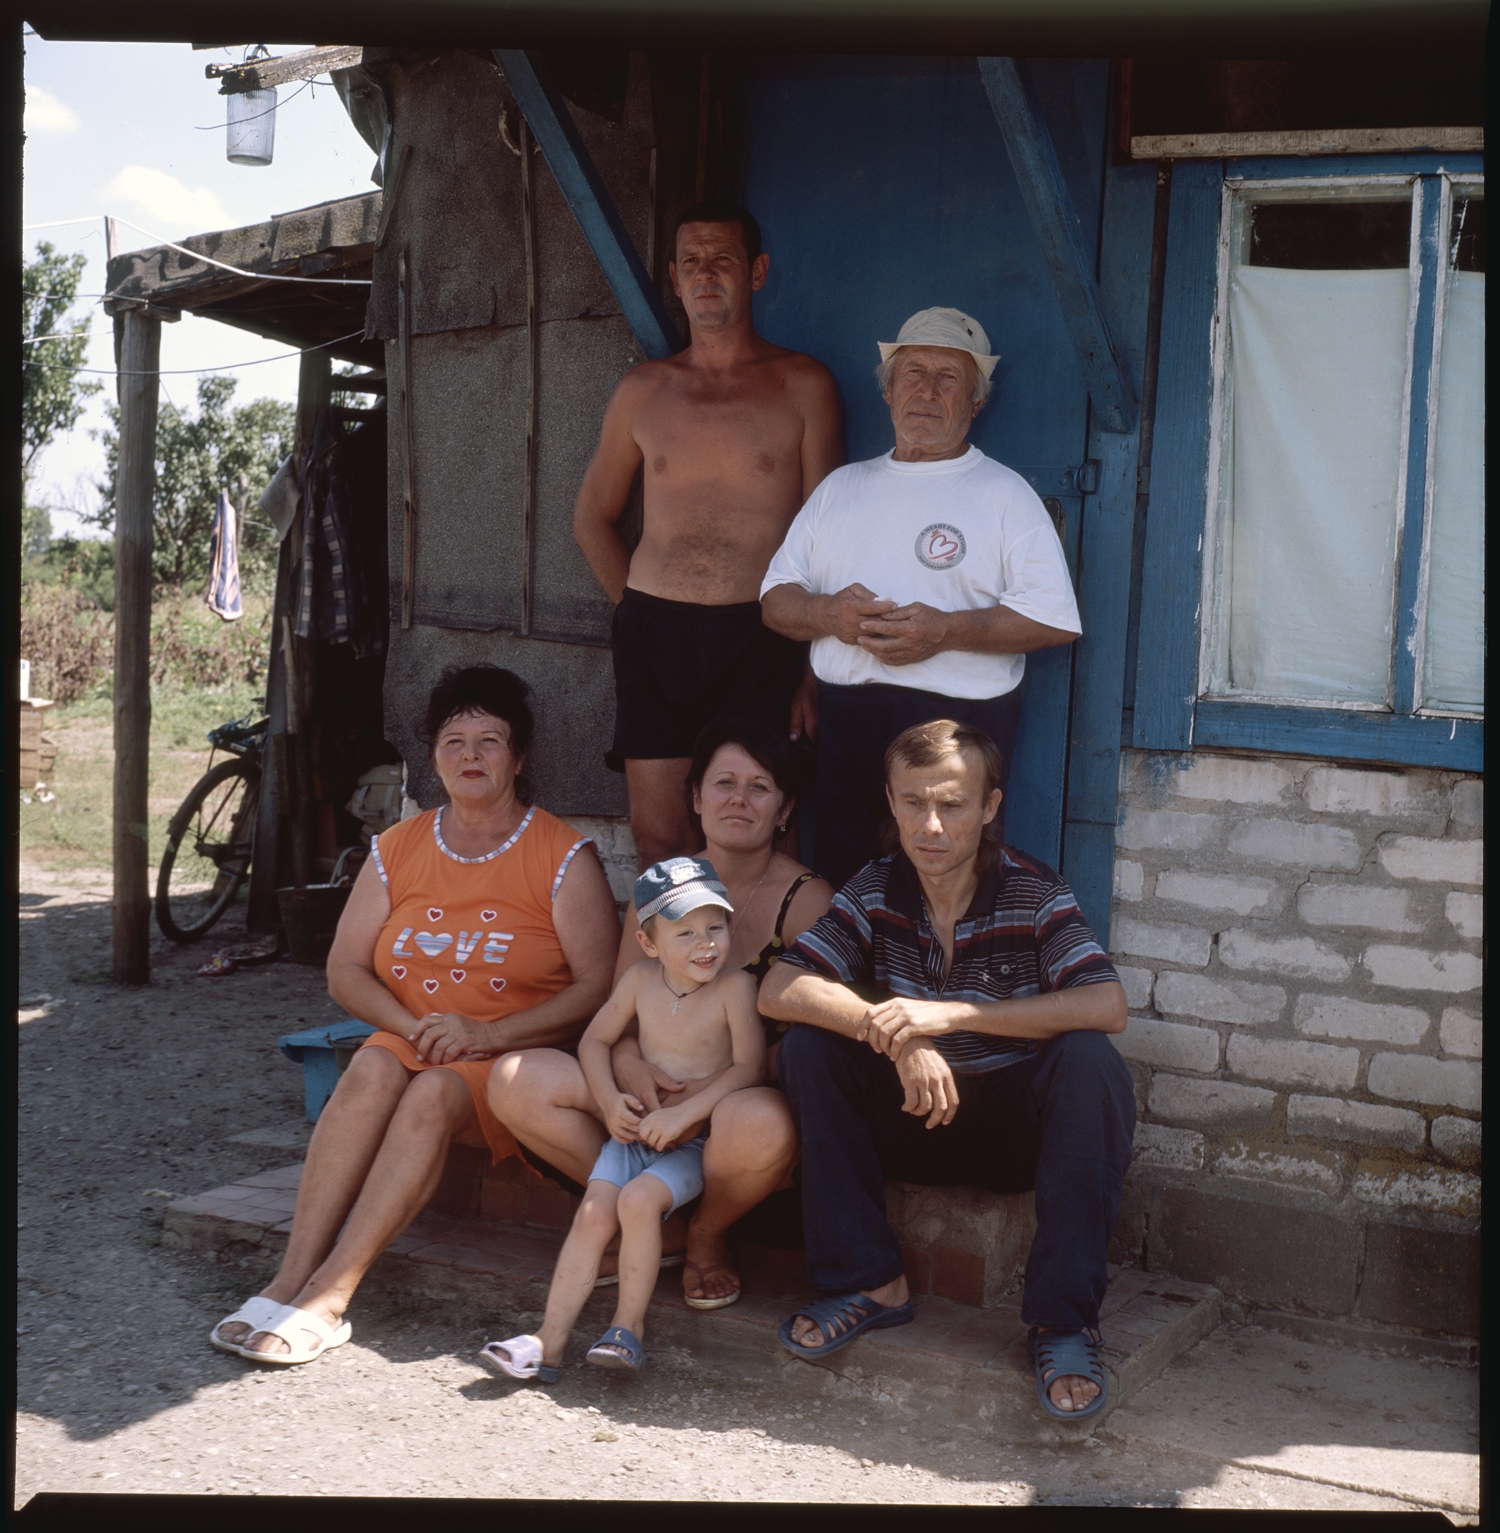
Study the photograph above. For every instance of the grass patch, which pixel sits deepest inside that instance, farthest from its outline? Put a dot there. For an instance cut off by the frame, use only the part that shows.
(75, 830)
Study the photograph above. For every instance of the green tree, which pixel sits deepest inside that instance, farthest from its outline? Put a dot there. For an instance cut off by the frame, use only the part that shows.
(237, 449)
(52, 395)
(36, 532)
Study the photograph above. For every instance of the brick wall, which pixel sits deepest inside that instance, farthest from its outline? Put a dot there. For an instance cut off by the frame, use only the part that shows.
(1301, 948)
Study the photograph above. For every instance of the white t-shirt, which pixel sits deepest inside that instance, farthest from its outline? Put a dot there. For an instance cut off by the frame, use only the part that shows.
(960, 534)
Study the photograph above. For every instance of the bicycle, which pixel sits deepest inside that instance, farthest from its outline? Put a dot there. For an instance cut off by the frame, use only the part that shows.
(212, 836)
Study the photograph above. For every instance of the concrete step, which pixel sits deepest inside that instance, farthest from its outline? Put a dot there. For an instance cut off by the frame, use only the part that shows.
(955, 1362)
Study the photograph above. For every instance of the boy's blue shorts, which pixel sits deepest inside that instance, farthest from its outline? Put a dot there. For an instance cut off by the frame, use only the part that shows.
(681, 1169)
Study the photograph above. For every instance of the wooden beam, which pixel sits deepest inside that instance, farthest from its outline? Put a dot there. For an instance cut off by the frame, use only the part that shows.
(139, 343)
(552, 125)
(258, 74)
(1045, 194)
(1305, 141)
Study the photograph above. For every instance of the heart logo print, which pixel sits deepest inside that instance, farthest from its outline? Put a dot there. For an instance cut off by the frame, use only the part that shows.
(432, 944)
(457, 976)
(398, 970)
(430, 986)
(434, 915)
(497, 985)
(940, 546)
(488, 915)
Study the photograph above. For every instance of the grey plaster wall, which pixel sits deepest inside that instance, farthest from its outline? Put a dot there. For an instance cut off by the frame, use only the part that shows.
(459, 217)
(459, 209)
(572, 694)
(468, 462)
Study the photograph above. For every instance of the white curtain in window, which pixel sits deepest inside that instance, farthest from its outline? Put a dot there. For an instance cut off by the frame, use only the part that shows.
(1453, 664)
(1317, 365)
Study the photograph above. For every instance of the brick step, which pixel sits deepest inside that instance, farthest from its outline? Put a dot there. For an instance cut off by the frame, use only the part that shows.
(958, 1362)
(960, 1243)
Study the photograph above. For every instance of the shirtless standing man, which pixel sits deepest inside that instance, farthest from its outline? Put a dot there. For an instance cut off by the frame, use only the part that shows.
(735, 434)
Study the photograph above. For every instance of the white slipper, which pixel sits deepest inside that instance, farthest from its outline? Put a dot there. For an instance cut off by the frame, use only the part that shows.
(254, 1312)
(289, 1323)
(612, 1279)
(518, 1358)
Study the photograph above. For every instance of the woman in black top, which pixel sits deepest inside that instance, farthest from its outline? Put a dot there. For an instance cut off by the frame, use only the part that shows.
(743, 785)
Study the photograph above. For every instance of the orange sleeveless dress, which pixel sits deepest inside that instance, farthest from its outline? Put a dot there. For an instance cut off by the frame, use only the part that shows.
(471, 935)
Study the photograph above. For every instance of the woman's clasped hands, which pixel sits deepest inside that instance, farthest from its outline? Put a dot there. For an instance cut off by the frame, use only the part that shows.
(446, 1038)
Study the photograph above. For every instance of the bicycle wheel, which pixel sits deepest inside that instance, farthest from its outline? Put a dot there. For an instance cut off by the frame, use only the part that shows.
(208, 850)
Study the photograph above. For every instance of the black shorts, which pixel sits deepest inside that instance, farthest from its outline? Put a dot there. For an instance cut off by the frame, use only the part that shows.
(679, 665)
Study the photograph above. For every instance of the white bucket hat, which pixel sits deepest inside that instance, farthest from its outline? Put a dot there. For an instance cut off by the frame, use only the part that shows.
(944, 327)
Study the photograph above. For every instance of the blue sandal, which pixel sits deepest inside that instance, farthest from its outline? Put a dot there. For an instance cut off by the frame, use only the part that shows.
(1062, 1354)
(601, 1355)
(841, 1320)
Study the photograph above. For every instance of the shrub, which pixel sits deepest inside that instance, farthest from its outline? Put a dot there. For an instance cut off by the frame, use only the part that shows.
(67, 639)
(192, 647)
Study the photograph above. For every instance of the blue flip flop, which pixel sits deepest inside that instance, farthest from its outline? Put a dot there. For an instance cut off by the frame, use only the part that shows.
(617, 1336)
(841, 1320)
(1059, 1354)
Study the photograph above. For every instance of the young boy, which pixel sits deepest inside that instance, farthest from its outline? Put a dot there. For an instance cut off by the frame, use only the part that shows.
(697, 1023)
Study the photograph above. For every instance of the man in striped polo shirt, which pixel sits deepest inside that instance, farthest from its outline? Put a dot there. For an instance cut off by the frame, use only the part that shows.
(954, 1003)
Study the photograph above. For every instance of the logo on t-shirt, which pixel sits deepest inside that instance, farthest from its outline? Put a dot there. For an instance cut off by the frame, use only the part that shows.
(940, 546)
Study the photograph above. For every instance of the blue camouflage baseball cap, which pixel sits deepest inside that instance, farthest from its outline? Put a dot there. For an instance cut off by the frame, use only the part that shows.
(677, 885)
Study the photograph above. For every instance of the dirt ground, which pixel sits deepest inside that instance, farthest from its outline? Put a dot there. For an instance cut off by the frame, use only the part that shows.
(130, 1098)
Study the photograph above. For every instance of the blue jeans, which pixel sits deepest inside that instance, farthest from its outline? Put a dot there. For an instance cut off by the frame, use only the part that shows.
(855, 724)
(1061, 1122)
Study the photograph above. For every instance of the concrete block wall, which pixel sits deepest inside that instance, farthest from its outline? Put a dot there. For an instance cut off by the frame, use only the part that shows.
(1301, 945)
(616, 847)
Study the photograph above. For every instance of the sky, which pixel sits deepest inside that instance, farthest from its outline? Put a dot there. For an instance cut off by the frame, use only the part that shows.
(135, 131)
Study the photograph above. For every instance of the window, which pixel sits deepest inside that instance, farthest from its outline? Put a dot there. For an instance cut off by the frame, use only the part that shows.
(1327, 489)
(1453, 563)
(1319, 303)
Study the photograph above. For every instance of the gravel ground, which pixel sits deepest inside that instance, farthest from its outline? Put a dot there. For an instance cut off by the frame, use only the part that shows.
(130, 1098)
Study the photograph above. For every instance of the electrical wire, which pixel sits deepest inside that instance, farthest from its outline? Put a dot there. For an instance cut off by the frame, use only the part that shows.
(169, 372)
(197, 255)
(218, 127)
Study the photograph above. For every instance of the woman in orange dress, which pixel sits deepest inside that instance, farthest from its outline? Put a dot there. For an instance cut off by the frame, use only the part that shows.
(473, 930)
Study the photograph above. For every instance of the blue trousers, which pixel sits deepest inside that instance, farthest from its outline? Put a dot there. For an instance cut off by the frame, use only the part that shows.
(1060, 1122)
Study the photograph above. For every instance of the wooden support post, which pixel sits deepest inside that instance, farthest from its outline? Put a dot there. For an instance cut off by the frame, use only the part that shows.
(135, 487)
(408, 441)
(533, 374)
(314, 392)
(262, 914)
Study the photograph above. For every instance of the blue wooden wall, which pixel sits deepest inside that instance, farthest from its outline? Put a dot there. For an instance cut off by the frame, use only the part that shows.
(883, 187)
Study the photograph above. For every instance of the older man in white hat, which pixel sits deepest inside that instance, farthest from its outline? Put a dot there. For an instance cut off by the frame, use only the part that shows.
(922, 578)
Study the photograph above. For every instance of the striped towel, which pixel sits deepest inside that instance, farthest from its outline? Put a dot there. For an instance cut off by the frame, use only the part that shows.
(224, 562)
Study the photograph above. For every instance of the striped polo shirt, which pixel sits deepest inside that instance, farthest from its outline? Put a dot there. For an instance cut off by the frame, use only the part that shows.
(1023, 934)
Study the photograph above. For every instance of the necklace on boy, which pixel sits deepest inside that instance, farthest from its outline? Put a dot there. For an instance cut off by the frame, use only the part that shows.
(677, 1000)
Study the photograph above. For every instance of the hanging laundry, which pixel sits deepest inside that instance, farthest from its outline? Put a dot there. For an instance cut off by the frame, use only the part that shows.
(224, 563)
(341, 576)
(281, 497)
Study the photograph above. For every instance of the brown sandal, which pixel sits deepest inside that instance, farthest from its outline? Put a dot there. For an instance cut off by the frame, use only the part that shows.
(699, 1276)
